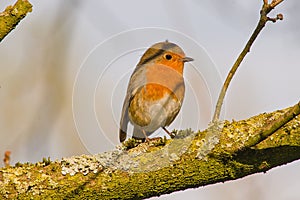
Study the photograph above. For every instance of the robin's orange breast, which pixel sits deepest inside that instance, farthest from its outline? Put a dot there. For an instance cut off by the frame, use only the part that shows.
(157, 103)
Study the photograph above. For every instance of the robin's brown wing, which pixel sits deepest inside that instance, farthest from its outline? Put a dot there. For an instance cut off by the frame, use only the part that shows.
(137, 80)
(178, 94)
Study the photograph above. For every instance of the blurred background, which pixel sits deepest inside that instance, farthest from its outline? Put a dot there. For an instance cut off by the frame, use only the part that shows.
(41, 59)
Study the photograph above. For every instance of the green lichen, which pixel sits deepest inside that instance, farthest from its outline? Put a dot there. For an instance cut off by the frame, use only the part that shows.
(131, 143)
(12, 16)
(30, 179)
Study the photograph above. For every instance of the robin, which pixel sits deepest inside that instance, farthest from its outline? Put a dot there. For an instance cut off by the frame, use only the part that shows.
(155, 91)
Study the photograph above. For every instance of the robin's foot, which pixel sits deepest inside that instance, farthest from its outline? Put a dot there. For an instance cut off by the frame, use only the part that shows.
(143, 139)
(153, 139)
(157, 141)
(147, 139)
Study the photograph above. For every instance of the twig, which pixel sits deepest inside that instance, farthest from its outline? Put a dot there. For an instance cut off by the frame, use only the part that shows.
(273, 126)
(12, 15)
(275, 3)
(266, 8)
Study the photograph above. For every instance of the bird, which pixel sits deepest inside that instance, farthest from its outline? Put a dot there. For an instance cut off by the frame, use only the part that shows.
(155, 91)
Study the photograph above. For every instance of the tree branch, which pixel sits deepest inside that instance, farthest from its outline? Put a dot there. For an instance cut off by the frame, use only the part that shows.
(12, 15)
(266, 9)
(164, 166)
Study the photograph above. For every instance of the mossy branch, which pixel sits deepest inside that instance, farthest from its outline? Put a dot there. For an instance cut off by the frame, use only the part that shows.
(12, 15)
(125, 174)
(265, 10)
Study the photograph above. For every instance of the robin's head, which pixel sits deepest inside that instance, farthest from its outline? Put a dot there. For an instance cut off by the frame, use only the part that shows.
(165, 53)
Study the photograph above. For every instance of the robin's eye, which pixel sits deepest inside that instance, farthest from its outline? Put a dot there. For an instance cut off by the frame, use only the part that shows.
(168, 57)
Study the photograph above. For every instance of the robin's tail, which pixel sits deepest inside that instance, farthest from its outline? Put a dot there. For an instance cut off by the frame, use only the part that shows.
(122, 135)
(123, 123)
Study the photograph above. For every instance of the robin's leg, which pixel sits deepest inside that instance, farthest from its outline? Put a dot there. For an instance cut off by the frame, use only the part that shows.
(146, 137)
(170, 134)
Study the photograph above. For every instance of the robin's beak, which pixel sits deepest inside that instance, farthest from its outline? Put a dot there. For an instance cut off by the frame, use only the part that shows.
(187, 59)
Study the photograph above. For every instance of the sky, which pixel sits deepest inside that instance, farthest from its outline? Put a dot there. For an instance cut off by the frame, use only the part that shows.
(65, 69)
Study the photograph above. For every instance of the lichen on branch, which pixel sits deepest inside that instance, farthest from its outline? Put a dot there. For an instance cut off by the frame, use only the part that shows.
(117, 175)
(12, 15)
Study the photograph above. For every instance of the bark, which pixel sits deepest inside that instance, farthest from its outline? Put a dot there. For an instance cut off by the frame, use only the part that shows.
(12, 15)
(163, 166)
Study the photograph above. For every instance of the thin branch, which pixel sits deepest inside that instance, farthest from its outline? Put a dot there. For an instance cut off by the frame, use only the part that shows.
(275, 3)
(12, 15)
(274, 19)
(266, 8)
(273, 126)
